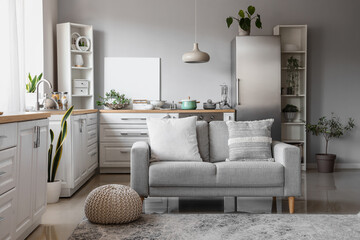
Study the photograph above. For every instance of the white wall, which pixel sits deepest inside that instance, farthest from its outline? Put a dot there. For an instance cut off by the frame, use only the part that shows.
(164, 28)
(50, 21)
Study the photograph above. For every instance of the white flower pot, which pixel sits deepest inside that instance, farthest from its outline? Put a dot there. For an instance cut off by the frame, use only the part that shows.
(290, 116)
(53, 191)
(243, 32)
(30, 102)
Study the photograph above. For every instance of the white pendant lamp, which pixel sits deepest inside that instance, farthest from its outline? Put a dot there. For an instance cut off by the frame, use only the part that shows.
(195, 56)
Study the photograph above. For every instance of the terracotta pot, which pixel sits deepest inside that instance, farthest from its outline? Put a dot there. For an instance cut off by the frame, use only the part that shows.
(325, 162)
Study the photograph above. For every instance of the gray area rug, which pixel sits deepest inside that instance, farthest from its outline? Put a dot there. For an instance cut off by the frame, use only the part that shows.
(226, 226)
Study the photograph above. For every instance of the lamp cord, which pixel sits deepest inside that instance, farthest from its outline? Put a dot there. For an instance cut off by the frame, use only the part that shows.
(195, 19)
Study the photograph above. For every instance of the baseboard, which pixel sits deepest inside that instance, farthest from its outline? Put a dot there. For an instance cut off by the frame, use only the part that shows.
(68, 192)
(337, 166)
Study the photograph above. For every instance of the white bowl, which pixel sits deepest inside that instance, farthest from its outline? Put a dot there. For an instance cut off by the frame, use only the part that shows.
(157, 103)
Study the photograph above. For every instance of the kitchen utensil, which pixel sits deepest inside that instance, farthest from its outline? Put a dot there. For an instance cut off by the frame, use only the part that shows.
(209, 104)
(173, 106)
(188, 104)
(157, 103)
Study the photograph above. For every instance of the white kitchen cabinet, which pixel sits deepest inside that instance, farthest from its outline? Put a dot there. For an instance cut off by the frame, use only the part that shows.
(80, 151)
(119, 131)
(7, 215)
(31, 175)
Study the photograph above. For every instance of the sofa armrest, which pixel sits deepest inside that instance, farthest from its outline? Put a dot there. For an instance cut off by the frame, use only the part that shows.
(289, 156)
(139, 160)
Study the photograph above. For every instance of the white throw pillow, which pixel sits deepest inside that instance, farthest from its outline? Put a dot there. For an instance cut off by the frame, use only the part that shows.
(173, 139)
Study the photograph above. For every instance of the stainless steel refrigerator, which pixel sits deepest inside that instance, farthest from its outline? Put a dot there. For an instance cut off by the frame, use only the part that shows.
(256, 79)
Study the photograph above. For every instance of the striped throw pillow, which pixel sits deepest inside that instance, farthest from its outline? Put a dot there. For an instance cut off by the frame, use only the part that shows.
(250, 140)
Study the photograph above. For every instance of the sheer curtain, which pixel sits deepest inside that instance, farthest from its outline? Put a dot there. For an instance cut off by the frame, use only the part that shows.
(12, 59)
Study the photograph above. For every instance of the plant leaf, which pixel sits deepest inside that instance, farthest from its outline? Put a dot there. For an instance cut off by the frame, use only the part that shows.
(66, 115)
(258, 22)
(241, 13)
(251, 10)
(229, 21)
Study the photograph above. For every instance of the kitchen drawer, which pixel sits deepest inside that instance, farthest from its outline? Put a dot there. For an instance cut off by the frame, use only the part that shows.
(8, 135)
(81, 83)
(7, 169)
(132, 118)
(91, 118)
(113, 155)
(7, 214)
(93, 157)
(113, 133)
(91, 134)
(80, 91)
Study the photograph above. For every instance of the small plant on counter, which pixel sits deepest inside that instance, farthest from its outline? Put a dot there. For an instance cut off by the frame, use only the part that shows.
(53, 163)
(245, 21)
(31, 85)
(114, 100)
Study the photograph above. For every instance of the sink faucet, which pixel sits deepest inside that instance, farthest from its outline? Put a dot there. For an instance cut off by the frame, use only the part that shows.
(37, 92)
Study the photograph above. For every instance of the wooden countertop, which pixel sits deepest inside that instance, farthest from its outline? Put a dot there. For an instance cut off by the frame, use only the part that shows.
(21, 117)
(169, 111)
(75, 111)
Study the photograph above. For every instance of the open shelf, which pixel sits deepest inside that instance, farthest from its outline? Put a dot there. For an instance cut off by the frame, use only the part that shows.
(293, 96)
(300, 68)
(82, 68)
(299, 122)
(292, 141)
(78, 51)
(293, 52)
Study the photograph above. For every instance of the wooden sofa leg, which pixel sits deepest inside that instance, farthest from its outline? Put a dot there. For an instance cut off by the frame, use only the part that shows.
(291, 204)
(142, 199)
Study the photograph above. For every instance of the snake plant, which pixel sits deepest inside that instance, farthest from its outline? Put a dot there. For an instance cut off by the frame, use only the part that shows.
(31, 86)
(53, 163)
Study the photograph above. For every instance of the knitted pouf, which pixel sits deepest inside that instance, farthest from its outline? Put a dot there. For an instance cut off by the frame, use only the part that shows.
(113, 204)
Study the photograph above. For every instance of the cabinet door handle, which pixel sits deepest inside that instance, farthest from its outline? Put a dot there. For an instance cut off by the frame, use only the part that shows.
(238, 91)
(123, 152)
(143, 134)
(37, 139)
(133, 118)
(2, 173)
(124, 133)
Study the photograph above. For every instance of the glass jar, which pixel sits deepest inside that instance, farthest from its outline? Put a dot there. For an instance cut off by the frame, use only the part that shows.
(64, 100)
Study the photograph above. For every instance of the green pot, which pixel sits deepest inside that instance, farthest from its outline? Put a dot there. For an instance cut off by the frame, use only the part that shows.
(188, 104)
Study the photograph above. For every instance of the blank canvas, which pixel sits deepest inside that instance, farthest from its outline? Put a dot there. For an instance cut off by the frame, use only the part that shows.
(137, 78)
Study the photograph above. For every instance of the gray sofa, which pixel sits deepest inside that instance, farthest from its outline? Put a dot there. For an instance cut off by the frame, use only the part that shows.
(214, 176)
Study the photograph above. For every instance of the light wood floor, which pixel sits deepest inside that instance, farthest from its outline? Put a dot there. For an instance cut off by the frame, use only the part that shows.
(332, 193)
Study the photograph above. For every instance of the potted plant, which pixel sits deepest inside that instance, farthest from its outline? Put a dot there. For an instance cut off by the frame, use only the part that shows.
(292, 69)
(245, 20)
(53, 185)
(30, 95)
(328, 129)
(290, 112)
(114, 100)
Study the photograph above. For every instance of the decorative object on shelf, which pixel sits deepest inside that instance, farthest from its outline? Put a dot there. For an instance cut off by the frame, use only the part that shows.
(245, 21)
(83, 43)
(54, 186)
(142, 104)
(188, 104)
(114, 100)
(224, 103)
(74, 37)
(290, 112)
(30, 95)
(79, 61)
(328, 129)
(209, 104)
(195, 56)
(292, 80)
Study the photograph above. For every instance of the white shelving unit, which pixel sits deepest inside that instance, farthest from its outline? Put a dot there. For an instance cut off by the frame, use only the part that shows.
(294, 132)
(67, 71)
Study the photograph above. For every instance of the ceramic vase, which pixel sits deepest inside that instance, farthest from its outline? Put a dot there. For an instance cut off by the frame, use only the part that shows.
(79, 61)
(30, 102)
(243, 32)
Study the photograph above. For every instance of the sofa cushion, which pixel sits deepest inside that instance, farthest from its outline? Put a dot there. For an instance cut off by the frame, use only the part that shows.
(182, 174)
(250, 140)
(173, 139)
(249, 174)
(202, 134)
(218, 138)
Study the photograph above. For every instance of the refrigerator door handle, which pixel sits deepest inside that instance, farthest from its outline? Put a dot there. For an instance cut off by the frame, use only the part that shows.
(238, 91)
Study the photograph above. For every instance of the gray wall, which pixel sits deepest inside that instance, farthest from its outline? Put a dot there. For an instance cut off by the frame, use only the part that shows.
(164, 28)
